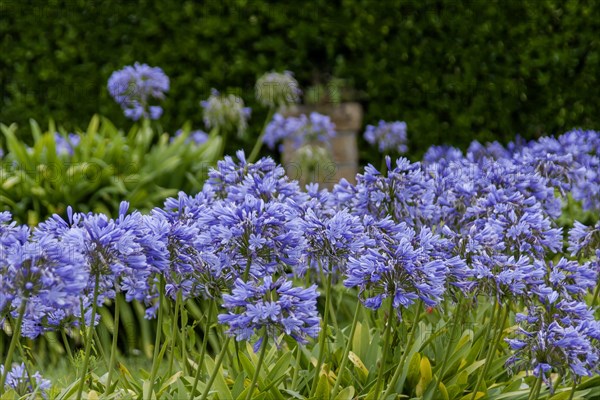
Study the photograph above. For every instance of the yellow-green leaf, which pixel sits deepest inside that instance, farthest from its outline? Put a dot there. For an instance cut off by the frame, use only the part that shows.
(346, 394)
(323, 389)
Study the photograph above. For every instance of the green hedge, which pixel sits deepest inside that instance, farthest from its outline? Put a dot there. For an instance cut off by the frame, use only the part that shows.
(454, 71)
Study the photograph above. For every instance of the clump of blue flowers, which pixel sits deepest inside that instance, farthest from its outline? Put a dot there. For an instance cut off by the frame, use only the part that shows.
(315, 128)
(277, 306)
(66, 145)
(136, 87)
(388, 136)
(23, 383)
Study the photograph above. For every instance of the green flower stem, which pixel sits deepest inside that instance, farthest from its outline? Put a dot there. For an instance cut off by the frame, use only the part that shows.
(409, 342)
(200, 362)
(535, 391)
(346, 351)
(113, 348)
(66, 344)
(322, 336)
(595, 298)
(13, 343)
(101, 348)
(183, 313)
(155, 362)
(258, 145)
(88, 336)
(297, 366)
(261, 358)
(215, 372)
(573, 389)
(440, 375)
(489, 328)
(491, 351)
(174, 332)
(386, 345)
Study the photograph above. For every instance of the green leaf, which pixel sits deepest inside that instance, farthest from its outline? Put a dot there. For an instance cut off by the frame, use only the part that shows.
(413, 370)
(323, 388)
(281, 367)
(174, 378)
(346, 394)
(220, 385)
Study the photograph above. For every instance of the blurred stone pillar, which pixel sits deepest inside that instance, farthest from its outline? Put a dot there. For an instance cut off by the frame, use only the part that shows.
(347, 118)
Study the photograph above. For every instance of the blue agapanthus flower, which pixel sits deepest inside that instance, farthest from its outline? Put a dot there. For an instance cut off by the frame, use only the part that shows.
(388, 136)
(234, 180)
(23, 383)
(134, 87)
(547, 342)
(403, 266)
(44, 276)
(404, 193)
(252, 236)
(122, 254)
(66, 145)
(277, 306)
(301, 130)
(331, 241)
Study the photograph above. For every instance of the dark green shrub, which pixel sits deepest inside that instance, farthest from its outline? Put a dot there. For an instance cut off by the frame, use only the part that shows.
(454, 71)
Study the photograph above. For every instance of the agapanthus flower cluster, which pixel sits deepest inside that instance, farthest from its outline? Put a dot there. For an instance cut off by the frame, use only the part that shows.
(120, 255)
(252, 237)
(404, 265)
(225, 113)
(234, 180)
(404, 193)
(135, 87)
(276, 306)
(66, 145)
(331, 241)
(40, 278)
(584, 241)
(568, 163)
(388, 136)
(313, 129)
(546, 343)
(275, 89)
(23, 383)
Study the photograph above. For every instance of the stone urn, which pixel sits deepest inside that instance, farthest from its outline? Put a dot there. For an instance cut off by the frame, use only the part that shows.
(342, 150)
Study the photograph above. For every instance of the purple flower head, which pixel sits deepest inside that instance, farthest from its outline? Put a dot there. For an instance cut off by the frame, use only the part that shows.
(123, 254)
(332, 240)
(264, 179)
(442, 155)
(253, 236)
(584, 240)
(66, 146)
(388, 136)
(19, 380)
(277, 89)
(45, 275)
(278, 307)
(548, 343)
(225, 113)
(315, 128)
(135, 86)
(404, 193)
(403, 266)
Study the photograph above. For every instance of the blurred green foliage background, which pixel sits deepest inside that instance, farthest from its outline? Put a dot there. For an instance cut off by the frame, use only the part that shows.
(454, 71)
